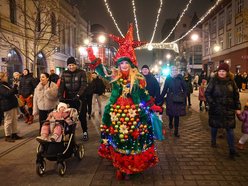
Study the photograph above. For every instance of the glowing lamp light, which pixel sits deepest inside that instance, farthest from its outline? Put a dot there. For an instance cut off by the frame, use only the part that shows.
(217, 48)
(101, 39)
(166, 71)
(194, 37)
(86, 41)
(160, 62)
(168, 56)
(150, 47)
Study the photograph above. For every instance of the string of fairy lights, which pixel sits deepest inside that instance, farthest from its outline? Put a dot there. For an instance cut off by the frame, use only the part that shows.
(135, 19)
(157, 19)
(111, 15)
(200, 20)
(156, 22)
(178, 21)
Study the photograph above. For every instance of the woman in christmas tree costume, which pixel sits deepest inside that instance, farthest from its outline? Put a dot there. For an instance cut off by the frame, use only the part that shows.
(127, 136)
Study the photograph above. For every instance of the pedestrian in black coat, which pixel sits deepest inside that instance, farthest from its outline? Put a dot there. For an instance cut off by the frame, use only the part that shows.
(72, 86)
(223, 99)
(152, 85)
(174, 87)
(8, 105)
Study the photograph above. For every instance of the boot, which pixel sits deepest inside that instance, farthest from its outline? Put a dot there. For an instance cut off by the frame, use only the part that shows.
(26, 118)
(119, 175)
(240, 146)
(16, 137)
(176, 133)
(213, 144)
(31, 119)
(233, 154)
(9, 139)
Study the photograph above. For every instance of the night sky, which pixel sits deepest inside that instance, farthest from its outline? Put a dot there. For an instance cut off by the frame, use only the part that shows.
(146, 11)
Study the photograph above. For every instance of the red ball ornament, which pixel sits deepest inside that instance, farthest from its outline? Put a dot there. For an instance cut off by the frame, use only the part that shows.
(122, 119)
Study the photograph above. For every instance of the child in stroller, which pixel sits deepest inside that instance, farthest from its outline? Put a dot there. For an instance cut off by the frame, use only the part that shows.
(59, 124)
(53, 123)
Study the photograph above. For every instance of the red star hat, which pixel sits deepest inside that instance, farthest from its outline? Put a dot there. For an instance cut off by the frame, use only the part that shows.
(126, 49)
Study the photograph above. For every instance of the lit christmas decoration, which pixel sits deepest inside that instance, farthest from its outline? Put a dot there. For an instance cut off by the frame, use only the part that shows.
(156, 22)
(178, 21)
(135, 20)
(200, 21)
(111, 15)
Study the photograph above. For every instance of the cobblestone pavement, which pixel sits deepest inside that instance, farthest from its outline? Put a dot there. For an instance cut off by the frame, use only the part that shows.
(188, 160)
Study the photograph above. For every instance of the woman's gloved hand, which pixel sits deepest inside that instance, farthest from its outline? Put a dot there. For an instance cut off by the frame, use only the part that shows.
(156, 108)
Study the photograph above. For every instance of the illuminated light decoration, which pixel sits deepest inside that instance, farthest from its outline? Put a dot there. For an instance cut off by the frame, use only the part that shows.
(149, 47)
(169, 46)
(111, 15)
(135, 19)
(200, 21)
(178, 21)
(157, 19)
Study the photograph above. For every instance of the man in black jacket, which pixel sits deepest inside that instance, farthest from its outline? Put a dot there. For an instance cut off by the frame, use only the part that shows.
(72, 89)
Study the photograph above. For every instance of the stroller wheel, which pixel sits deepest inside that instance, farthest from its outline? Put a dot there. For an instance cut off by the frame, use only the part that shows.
(61, 168)
(80, 152)
(41, 167)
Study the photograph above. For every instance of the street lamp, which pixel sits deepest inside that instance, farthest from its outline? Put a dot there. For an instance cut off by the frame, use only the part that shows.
(194, 38)
(168, 56)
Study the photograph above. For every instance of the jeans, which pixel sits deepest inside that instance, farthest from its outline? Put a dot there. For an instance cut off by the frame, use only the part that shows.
(229, 135)
(176, 123)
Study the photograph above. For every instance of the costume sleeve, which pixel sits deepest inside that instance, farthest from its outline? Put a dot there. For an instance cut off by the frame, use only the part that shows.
(96, 64)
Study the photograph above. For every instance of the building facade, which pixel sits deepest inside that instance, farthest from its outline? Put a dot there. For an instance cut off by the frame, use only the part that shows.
(39, 35)
(226, 27)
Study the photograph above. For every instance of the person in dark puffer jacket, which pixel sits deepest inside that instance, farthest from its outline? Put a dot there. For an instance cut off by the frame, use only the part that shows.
(72, 86)
(26, 91)
(222, 95)
(8, 105)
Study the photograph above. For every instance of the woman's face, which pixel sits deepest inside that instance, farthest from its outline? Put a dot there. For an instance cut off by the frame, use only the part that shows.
(25, 72)
(222, 73)
(43, 79)
(174, 72)
(124, 66)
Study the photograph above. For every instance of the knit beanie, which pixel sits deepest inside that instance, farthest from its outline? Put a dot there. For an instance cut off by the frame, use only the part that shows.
(61, 104)
(71, 60)
(145, 66)
(223, 66)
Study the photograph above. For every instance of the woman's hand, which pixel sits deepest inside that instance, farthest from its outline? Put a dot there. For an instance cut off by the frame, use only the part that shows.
(156, 108)
(238, 112)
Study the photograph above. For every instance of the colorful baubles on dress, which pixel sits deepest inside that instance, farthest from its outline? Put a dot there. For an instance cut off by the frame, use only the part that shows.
(126, 48)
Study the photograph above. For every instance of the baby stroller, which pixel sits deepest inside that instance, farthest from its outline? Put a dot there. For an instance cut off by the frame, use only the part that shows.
(60, 151)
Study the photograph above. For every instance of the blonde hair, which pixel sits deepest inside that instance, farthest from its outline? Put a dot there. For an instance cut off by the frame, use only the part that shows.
(134, 74)
(2, 74)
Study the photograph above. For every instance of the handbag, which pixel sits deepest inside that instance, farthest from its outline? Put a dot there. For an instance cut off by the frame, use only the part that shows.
(178, 98)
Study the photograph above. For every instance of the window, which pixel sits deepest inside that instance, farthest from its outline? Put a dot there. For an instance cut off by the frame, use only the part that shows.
(213, 25)
(221, 20)
(12, 11)
(229, 39)
(239, 5)
(221, 41)
(53, 24)
(239, 34)
(229, 14)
